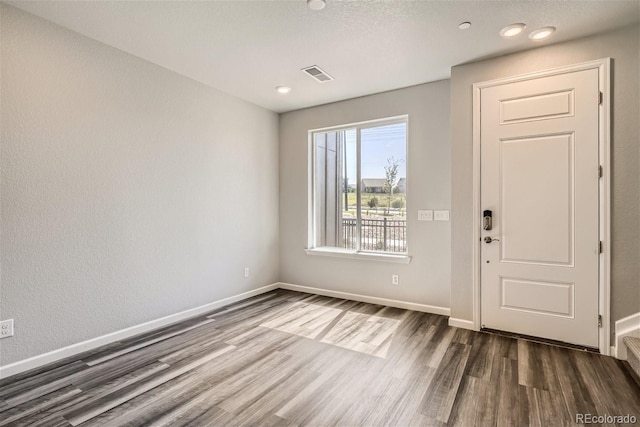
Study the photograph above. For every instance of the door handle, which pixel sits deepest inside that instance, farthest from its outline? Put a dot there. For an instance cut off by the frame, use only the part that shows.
(490, 239)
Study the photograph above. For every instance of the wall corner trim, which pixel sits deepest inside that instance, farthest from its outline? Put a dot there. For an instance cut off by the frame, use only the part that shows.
(461, 323)
(93, 343)
(626, 327)
(444, 311)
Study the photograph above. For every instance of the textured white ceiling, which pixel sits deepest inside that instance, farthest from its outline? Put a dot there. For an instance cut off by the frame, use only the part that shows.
(246, 48)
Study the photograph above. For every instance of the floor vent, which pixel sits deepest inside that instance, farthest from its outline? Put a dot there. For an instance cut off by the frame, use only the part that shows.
(315, 72)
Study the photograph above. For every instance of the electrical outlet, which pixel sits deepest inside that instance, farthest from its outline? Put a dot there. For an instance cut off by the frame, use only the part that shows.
(6, 328)
(246, 272)
(395, 279)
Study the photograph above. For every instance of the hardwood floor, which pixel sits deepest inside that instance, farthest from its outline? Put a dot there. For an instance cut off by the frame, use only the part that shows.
(287, 358)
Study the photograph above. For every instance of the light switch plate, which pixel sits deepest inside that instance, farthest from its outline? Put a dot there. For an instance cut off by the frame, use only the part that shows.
(425, 215)
(441, 215)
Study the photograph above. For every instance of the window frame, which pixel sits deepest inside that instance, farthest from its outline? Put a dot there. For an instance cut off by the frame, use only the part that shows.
(312, 249)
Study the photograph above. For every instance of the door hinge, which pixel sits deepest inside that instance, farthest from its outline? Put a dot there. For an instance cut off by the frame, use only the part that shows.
(600, 98)
(599, 320)
(600, 246)
(600, 171)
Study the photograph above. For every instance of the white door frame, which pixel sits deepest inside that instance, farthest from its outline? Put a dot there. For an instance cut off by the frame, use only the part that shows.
(604, 291)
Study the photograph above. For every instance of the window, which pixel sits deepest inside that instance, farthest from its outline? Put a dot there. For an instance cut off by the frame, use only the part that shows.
(359, 188)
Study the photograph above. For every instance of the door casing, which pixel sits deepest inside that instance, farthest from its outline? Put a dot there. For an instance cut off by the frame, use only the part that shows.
(604, 147)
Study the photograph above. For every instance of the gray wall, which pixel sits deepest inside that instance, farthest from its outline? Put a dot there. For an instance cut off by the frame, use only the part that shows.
(426, 279)
(623, 46)
(128, 192)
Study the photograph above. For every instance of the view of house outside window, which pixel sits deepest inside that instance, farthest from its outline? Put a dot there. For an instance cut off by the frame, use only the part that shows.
(360, 187)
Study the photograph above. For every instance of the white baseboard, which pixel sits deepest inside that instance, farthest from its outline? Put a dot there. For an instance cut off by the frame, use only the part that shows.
(364, 298)
(627, 327)
(74, 349)
(461, 323)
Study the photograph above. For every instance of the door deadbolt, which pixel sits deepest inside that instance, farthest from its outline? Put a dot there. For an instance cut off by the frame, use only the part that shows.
(487, 220)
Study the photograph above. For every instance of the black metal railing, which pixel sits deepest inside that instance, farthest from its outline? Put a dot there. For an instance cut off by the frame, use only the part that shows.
(388, 235)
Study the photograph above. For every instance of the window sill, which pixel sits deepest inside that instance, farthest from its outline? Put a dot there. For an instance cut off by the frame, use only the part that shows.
(341, 253)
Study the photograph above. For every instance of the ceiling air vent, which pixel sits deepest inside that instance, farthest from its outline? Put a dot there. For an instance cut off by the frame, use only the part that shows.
(315, 72)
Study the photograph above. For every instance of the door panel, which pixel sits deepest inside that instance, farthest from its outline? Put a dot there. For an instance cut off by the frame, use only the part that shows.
(537, 107)
(538, 297)
(539, 163)
(527, 205)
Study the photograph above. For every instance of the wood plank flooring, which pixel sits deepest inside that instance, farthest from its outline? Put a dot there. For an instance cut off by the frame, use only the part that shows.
(292, 359)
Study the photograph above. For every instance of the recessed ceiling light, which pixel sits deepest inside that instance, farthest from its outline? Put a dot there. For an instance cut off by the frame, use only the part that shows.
(316, 4)
(512, 30)
(283, 89)
(542, 33)
(465, 25)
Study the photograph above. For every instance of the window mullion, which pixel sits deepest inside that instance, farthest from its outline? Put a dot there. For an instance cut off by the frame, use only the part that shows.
(325, 203)
(314, 214)
(358, 191)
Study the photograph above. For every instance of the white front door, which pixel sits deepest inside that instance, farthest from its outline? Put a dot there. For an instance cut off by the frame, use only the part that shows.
(539, 179)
